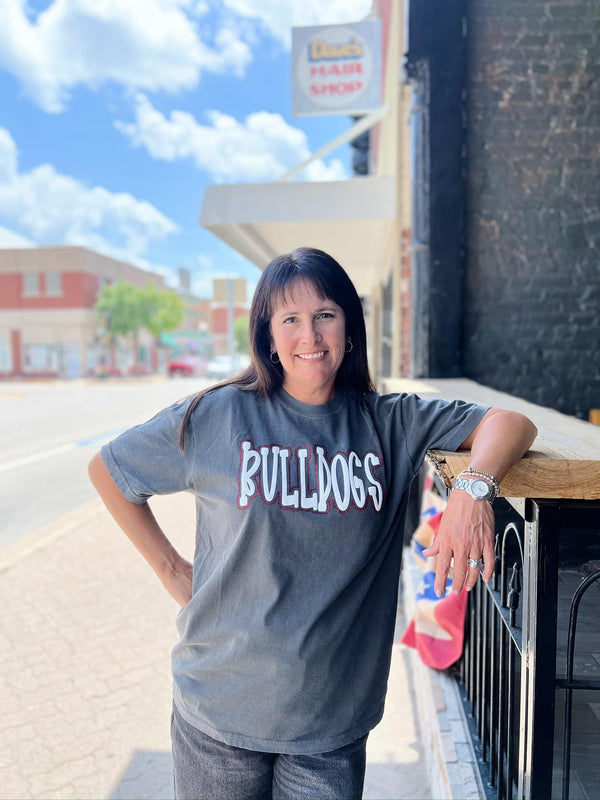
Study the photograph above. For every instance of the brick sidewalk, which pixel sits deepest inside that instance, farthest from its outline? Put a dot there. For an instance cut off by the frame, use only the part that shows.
(85, 688)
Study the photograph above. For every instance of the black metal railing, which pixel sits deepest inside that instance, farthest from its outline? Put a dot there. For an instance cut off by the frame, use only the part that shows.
(570, 684)
(519, 708)
(490, 667)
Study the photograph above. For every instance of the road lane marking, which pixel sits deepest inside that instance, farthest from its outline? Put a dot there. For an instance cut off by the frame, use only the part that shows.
(101, 437)
(43, 454)
(56, 451)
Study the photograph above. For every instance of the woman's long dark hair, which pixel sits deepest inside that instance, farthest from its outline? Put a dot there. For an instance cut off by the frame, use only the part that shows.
(330, 281)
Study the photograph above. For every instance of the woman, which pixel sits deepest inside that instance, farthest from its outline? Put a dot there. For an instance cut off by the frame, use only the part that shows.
(300, 472)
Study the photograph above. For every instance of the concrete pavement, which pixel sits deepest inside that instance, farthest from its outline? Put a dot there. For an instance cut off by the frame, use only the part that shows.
(85, 690)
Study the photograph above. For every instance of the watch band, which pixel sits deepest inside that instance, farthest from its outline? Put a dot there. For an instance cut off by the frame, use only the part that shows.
(477, 487)
(492, 478)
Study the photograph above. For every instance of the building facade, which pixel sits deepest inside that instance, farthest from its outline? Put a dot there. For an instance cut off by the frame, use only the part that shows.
(48, 325)
(532, 270)
(505, 274)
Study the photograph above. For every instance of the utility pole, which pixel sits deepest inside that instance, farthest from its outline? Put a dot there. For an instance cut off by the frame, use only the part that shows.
(230, 339)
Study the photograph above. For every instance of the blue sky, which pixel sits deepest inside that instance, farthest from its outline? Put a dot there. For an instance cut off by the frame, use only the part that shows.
(115, 114)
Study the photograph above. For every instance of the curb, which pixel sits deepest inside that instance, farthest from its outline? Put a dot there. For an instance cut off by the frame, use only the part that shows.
(451, 761)
(14, 552)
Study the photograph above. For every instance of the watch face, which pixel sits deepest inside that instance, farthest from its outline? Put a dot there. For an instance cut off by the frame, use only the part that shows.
(480, 488)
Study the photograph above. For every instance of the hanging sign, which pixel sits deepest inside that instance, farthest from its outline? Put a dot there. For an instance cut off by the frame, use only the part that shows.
(336, 69)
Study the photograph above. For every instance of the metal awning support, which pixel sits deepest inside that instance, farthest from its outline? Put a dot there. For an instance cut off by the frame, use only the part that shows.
(360, 126)
(351, 219)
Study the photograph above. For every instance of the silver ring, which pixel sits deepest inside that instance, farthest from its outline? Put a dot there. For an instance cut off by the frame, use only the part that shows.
(474, 563)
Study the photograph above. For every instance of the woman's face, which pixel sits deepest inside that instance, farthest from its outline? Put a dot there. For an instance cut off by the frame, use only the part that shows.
(308, 333)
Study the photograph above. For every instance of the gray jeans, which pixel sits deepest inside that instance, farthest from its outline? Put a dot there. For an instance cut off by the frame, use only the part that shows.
(206, 769)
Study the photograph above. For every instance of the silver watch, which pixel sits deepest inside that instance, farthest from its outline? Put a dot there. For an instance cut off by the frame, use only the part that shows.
(476, 487)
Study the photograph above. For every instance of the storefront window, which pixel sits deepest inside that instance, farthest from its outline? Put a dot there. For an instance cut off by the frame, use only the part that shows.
(40, 358)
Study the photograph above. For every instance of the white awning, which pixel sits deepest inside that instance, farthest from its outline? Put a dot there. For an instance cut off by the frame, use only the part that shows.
(351, 220)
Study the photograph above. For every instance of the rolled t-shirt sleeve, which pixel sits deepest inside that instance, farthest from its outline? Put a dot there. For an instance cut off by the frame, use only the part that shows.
(146, 460)
(436, 424)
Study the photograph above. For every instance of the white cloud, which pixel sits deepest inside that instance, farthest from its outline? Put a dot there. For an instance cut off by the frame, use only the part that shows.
(278, 16)
(11, 239)
(320, 171)
(56, 209)
(261, 148)
(202, 278)
(140, 44)
(202, 284)
(8, 157)
(147, 45)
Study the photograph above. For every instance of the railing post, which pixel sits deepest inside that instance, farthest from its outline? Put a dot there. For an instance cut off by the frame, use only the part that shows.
(538, 674)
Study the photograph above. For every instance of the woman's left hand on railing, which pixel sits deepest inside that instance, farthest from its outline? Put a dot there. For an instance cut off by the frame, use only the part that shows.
(466, 532)
(467, 527)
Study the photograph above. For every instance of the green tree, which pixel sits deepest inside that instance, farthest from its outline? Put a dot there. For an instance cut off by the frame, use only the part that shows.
(120, 307)
(161, 311)
(126, 309)
(240, 334)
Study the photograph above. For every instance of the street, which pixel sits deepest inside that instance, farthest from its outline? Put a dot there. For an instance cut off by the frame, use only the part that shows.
(50, 430)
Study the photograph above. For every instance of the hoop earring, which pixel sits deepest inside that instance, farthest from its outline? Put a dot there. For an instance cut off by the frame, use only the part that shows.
(349, 346)
(274, 360)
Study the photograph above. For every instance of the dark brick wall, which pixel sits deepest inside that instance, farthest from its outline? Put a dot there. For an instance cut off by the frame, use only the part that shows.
(532, 283)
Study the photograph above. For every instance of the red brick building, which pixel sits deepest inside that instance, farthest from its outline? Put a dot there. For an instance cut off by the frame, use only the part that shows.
(48, 326)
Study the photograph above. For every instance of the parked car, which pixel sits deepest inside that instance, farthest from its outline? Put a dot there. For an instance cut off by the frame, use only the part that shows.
(187, 366)
(222, 367)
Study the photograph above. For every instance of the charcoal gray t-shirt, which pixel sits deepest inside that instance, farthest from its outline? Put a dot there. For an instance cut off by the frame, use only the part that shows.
(285, 646)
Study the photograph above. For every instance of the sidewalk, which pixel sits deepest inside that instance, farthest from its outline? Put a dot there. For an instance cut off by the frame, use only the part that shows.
(85, 690)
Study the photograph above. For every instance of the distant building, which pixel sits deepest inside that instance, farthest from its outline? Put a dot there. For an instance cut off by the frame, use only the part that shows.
(193, 335)
(48, 326)
(229, 302)
(205, 330)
